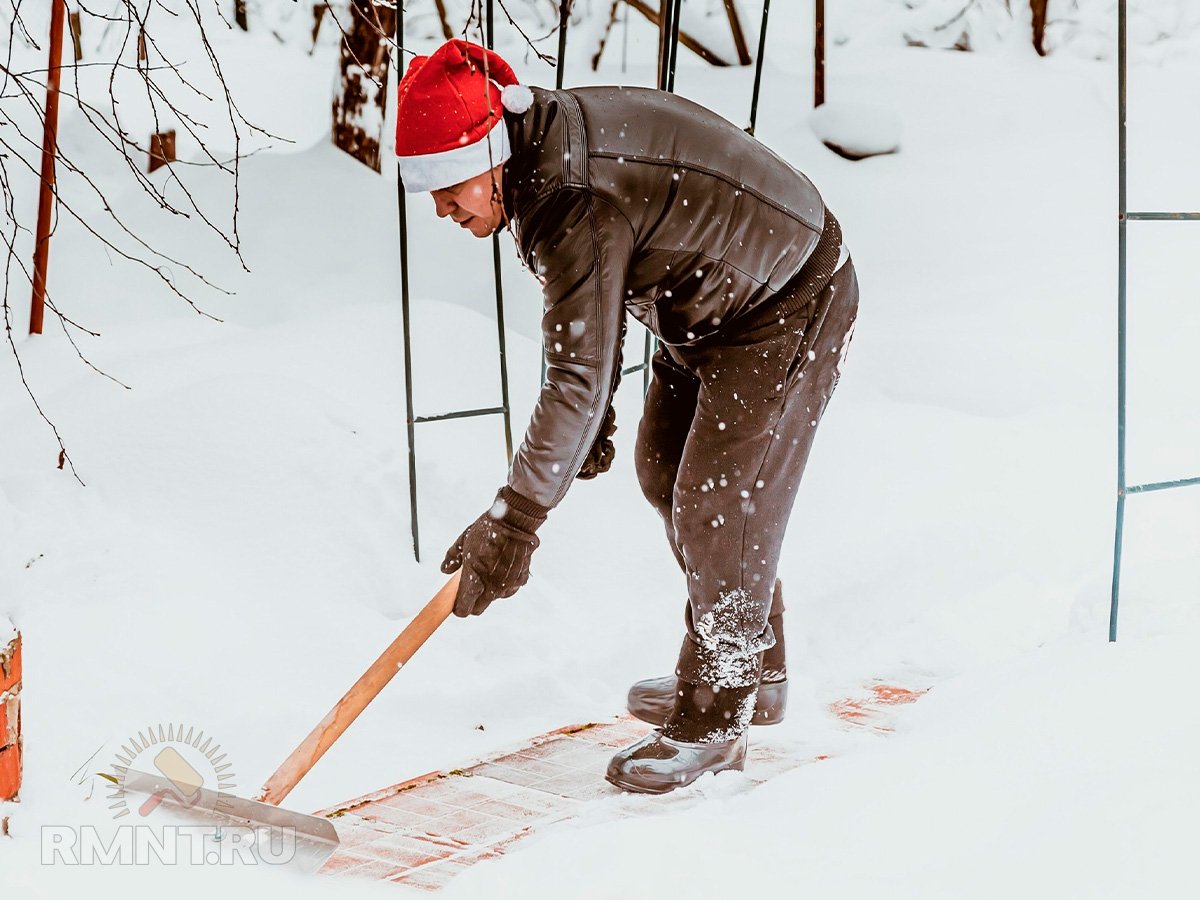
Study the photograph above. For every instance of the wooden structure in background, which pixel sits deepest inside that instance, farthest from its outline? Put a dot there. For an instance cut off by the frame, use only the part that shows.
(41, 248)
(360, 108)
(447, 31)
(76, 35)
(162, 149)
(656, 17)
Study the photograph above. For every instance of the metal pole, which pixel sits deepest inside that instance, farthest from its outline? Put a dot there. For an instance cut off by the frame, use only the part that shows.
(819, 55)
(668, 41)
(758, 64)
(665, 8)
(564, 19)
(508, 443)
(625, 40)
(402, 211)
(1122, 250)
(674, 45)
(41, 250)
(650, 346)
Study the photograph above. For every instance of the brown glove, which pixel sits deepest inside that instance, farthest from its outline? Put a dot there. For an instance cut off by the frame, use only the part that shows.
(494, 552)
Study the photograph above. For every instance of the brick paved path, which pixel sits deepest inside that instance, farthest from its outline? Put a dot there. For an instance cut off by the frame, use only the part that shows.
(425, 831)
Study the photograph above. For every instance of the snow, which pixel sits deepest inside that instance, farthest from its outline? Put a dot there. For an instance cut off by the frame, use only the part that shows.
(241, 551)
(8, 631)
(1066, 772)
(860, 129)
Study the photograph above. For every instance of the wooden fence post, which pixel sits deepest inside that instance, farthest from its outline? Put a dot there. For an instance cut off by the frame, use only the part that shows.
(41, 249)
(364, 66)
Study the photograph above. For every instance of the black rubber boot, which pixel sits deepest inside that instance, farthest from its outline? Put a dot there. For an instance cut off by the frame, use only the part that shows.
(707, 731)
(652, 699)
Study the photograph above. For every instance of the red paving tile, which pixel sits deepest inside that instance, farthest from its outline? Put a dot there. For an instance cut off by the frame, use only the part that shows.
(410, 852)
(425, 831)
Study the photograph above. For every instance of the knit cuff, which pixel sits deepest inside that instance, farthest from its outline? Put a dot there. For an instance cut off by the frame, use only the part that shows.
(526, 514)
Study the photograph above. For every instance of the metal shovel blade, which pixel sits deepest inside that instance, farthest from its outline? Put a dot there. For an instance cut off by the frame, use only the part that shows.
(230, 826)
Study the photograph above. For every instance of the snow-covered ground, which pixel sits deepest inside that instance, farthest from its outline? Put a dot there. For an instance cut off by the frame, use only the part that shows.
(241, 550)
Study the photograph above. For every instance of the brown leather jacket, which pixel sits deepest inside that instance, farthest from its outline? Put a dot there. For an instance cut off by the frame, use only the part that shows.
(633, 199)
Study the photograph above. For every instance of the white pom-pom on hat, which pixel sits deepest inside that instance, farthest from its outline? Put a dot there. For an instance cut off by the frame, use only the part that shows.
(517, 98)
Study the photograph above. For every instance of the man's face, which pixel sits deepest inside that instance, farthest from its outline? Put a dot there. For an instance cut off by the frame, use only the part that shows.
(472, 204)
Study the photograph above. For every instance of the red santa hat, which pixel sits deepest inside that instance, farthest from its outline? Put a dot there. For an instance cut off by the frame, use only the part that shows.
(450, 115)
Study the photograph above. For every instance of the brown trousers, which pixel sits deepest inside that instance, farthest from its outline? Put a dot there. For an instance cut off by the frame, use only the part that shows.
(721, 449)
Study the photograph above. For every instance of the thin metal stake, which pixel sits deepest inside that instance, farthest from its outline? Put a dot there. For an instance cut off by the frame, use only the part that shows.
(402, 212)
(819, 55)
(504, 405)
(625, 41)
(564, 19)
(674, 46)
(666, 11)
(508, 441)
(1122, 260)
(758, 64)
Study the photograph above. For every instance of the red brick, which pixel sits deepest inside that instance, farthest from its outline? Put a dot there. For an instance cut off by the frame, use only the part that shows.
(341, 862)
(437, 876)
(494, 831)
(353, 831)
(511, 812)
(406, 851)
(540, 768)
(10, 772)
(452, 824)
(617, 734)
(406, 809)
(375, 869)
(546, 749)
(10, 719)
(514, 775)
(10, 665)
(580, 786)
(400, 819)
(540, 801)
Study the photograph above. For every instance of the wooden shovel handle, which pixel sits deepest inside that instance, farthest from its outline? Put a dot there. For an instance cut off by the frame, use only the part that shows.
(366, 689)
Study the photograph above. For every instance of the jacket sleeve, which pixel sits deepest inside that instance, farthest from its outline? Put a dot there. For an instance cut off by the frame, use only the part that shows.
(579, 247)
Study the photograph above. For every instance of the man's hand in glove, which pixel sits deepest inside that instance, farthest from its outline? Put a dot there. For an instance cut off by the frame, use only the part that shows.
(494, 552)
(600, 456)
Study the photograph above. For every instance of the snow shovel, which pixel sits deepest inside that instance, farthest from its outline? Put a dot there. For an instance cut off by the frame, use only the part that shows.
(255, 827)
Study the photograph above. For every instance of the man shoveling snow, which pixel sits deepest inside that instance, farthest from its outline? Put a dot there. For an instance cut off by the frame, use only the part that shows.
(630, 199)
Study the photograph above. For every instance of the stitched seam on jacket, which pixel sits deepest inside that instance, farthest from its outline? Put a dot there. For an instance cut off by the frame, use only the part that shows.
(721, 176)
(579, 155)
(717, 259)
(576, 458)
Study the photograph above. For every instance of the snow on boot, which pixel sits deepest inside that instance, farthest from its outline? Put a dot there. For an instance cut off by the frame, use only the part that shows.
(652, 699)
(707, 731)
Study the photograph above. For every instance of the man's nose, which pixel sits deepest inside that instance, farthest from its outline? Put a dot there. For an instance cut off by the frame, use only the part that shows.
(442, 205)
